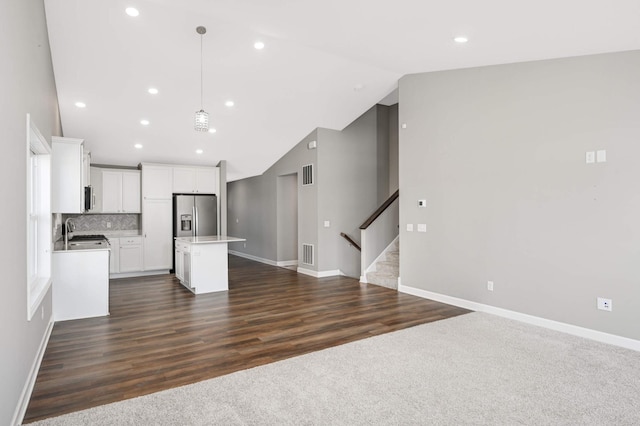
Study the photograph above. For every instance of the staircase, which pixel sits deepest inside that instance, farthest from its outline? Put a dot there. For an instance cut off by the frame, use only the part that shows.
(386, 269)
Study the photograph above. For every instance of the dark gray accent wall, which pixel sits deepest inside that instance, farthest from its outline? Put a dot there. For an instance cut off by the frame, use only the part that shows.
(27, 86)
(499, 154)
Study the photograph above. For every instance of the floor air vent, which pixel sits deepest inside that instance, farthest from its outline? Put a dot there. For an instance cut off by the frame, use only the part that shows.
(307, 174)
(307, 254)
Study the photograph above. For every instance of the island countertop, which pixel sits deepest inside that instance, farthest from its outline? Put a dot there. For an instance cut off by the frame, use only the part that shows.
(212, 239)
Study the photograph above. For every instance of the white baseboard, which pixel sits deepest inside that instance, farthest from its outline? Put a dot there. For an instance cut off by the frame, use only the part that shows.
(256, 258)
(25, 396)
(363, 279)
(285, 263)
(575, 330)
(137, 274)
(320, 274)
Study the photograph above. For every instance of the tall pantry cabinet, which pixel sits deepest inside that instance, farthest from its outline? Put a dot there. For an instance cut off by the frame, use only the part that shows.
(157, 213)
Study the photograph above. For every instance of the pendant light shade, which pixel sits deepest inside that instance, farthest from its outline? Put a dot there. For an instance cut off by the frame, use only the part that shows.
(202, 117)
(202, 121)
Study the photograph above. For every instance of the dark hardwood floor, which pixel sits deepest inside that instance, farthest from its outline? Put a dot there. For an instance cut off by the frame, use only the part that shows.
(160, 336)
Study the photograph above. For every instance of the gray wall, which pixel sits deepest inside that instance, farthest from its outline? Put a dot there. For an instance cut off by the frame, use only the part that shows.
(287, 217)
(27, 86)
(348, 176)
(351, 169)
(252, 206)
(499, 155)
(393, 148)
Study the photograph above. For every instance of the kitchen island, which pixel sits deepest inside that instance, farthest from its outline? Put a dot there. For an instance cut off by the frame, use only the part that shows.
(202, 264)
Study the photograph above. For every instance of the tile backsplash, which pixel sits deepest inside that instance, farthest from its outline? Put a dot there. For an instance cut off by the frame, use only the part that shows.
(99, 222)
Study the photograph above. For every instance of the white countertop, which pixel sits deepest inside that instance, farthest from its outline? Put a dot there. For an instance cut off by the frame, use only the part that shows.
(213, 239)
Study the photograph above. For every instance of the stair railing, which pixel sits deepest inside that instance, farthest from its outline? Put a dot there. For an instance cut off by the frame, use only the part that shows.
(378, 231)
(350, 241)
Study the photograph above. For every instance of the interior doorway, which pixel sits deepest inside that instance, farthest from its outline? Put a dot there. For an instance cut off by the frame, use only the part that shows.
(287, 221)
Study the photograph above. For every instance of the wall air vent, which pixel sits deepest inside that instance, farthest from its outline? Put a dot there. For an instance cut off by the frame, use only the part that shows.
(307, 254)
(307, 175)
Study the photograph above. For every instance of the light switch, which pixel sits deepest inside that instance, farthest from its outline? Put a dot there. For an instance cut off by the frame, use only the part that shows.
(409, 227)
(327, 224)
(601, 156)
(422, 227)
(591, 157)
(404, 125)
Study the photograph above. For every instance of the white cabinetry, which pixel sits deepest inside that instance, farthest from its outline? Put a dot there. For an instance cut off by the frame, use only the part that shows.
(157, 212)
(80, 284)
(120, 191)
(67, 175)
(130, 253)
(195, 180)
(182, 249)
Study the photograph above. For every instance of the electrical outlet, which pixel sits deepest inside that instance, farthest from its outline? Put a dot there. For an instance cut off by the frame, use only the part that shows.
(108, 224)
(245, 245)
(590, 158)
(490, 285)
(605, 304)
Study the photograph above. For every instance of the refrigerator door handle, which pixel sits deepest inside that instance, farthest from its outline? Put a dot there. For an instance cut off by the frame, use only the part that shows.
(194, 229)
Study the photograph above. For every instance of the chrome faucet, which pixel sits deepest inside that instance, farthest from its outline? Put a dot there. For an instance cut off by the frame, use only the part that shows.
(69, 226)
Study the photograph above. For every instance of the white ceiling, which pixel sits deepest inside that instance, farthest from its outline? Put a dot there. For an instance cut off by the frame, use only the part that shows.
(316, 54)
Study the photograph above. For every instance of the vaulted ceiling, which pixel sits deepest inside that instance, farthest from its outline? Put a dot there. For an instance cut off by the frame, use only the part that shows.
(323, 64)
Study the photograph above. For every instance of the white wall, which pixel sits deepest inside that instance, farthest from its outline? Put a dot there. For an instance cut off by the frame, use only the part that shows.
(499, 154)
(27, 86)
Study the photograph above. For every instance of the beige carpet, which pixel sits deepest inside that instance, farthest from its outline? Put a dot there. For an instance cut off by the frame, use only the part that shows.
(473, 369)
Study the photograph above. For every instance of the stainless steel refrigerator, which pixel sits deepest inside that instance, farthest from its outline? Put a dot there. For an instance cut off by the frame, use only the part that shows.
(195, 215)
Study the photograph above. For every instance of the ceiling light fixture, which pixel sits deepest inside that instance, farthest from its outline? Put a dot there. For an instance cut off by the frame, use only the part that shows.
(144, 122)
(202, 117)
(258, 45)
(153, 90)
(229, 103)
(81, 104)
(199, 151)
(138, 146)
(461, 39)
(132, 11)
(212, 130)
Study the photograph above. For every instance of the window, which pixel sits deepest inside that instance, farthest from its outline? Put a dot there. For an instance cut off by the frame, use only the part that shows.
(38, 218)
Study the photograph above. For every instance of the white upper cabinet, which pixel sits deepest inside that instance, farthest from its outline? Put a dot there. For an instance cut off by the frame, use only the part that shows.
(67, 175)
(156, 182)
(195, 180)
(120, 191)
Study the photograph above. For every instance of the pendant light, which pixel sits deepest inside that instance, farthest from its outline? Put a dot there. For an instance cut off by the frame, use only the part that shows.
(202, 117)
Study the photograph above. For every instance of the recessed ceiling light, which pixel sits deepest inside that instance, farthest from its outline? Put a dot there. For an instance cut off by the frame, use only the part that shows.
(461, 39)
(358, 87)
(258, 45)
(132, 11)
(153, 90)
(81, 104)
(138, 146)
(144, 122)
(212, 130)
(229, 103)
(199, 151)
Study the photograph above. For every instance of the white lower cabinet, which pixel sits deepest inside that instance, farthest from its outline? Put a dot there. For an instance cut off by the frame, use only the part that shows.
(130, 254)
(126, 255)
